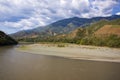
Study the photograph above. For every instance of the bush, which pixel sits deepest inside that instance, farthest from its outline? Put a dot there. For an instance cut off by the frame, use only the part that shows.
(60, 45)
(113, 41)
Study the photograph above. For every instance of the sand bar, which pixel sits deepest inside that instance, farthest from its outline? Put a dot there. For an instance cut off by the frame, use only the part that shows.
(74, 51)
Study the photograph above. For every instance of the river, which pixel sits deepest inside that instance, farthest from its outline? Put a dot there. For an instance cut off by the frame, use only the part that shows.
(15, 65)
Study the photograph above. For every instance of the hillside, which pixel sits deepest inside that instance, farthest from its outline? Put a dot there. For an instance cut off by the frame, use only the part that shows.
(103, 28)
(95, 34)
(101, 33)
(64, 26)
(99, 27)
(6, 40)
(104, 32)
(108, 30)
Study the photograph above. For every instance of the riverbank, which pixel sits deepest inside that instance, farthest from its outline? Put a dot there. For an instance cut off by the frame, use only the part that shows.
(73, 51)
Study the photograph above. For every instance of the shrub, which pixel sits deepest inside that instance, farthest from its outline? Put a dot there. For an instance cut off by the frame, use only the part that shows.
(60, 45)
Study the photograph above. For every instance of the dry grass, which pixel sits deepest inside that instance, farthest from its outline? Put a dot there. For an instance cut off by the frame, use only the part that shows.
(108, 30)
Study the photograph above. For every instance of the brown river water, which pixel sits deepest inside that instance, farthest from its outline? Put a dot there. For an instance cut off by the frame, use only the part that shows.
(15, 65)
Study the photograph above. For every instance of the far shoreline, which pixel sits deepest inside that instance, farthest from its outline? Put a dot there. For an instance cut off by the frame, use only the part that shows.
(73, 51)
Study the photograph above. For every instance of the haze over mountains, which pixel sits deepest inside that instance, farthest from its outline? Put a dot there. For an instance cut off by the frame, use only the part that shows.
(64, 26)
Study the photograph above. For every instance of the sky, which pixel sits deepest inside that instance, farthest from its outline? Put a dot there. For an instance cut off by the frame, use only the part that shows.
(16, 15)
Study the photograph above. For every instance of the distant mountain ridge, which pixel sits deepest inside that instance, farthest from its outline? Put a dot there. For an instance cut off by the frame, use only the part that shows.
(64, 26)
(6, 40)
(101, 33)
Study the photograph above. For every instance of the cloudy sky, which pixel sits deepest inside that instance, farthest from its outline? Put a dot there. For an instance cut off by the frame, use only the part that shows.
(18, 15)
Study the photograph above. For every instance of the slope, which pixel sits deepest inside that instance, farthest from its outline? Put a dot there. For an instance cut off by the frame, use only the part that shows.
(6, 40)
(64, 26)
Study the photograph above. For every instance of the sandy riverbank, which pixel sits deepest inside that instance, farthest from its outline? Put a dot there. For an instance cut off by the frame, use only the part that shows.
(74, 51)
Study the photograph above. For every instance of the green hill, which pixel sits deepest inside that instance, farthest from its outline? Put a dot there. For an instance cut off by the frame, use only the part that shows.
(6, 40)
(101, 33)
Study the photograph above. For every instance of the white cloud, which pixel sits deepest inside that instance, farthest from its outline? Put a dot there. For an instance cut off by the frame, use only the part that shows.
(118, 13)
(102, 7)
(27, 14)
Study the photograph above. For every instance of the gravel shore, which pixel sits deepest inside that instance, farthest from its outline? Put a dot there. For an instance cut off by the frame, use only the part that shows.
(74, 51)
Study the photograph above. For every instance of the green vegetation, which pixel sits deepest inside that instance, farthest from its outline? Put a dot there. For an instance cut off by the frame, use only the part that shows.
(23, 47)
(116, 26)
(113, 41)
(84, 36)
(6, 40)
(60, 45)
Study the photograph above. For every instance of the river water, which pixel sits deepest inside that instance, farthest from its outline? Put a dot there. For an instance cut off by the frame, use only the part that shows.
(15, 65)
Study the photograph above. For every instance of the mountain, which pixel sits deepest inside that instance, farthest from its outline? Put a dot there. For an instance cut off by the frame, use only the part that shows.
(102, 28)
(101, 33)
(64, 26)
(6, 40)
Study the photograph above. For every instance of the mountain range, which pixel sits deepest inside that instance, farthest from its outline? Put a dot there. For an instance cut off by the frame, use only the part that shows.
(98, 31)
(60, 27)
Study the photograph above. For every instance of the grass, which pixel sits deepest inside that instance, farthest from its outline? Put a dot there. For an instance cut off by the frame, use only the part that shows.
(23, 47)
(115, 26)
(61, 45)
